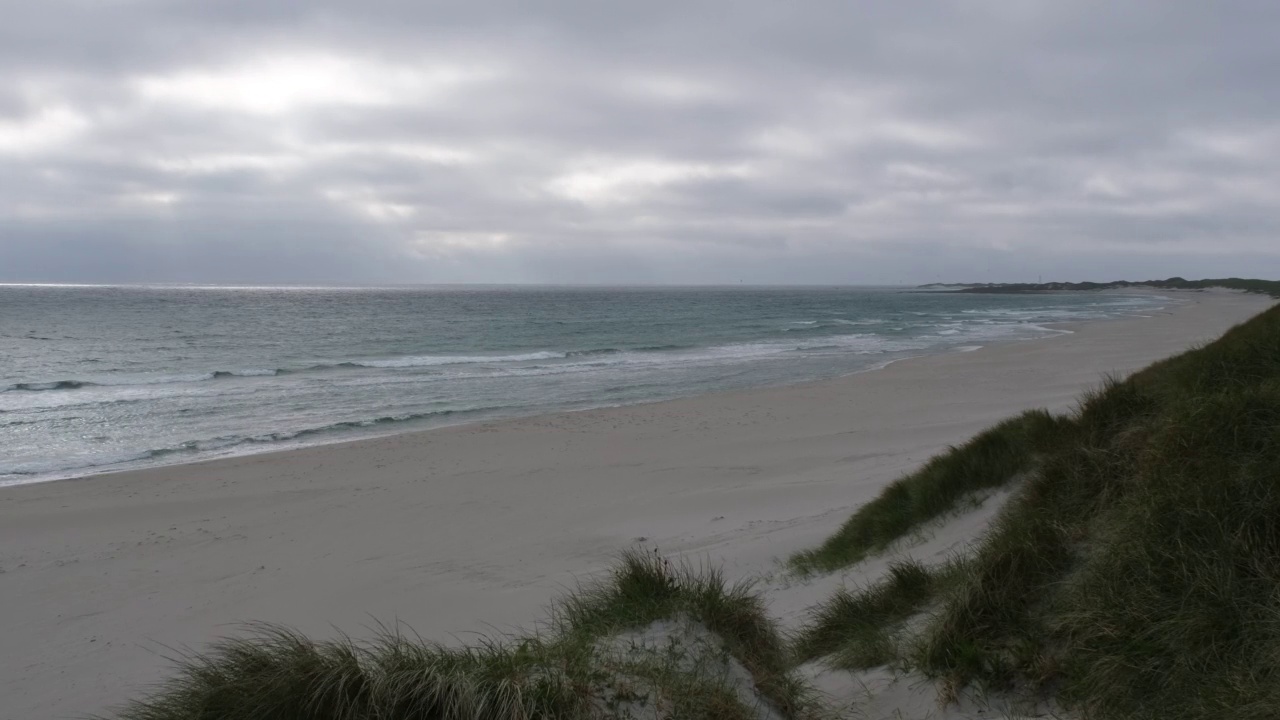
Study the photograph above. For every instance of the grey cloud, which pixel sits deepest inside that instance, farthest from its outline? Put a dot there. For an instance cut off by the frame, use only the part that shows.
(647, 142)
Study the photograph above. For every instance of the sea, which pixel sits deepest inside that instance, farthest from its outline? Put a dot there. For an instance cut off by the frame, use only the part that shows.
(102, 378)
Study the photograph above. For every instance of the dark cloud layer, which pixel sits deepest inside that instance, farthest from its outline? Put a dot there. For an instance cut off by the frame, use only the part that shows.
(829, 142)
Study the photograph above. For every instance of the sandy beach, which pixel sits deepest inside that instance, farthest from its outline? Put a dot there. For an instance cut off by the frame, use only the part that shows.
(476, 527)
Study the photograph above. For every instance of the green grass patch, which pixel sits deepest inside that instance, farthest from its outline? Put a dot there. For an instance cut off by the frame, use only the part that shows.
(856, 629)
(1137, 573)
(988, 461)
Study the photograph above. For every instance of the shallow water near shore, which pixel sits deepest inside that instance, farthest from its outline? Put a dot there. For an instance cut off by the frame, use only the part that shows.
(105, 378)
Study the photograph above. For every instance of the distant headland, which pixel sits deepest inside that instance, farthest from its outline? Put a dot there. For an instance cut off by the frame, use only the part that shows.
(1266, 287)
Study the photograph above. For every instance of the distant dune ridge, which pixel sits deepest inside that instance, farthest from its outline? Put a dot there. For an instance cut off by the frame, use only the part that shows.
(787, 552)
(1265, 287)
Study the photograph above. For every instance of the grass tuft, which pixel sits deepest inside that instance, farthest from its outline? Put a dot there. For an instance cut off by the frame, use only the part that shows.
(646, 587)
(856, 629)
(575, 671)
(279, 674)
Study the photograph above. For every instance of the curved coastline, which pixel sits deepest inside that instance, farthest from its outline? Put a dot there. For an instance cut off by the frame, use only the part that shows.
(341, 432)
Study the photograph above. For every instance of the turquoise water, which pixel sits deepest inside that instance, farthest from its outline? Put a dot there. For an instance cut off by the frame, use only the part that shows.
(105, 378)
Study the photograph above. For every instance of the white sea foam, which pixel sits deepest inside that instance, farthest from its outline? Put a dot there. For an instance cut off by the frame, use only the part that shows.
(434, 360)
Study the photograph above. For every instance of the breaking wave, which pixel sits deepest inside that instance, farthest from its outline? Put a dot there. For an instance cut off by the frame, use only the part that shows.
(228, 442)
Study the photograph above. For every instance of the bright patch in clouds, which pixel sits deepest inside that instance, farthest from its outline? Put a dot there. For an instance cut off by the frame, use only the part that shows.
(213, 163)
(366, 201)
(278, 85)
(50, 127)
(627, 181)
(417, 152)
(676, 89)
(445, 242)
(156, 199)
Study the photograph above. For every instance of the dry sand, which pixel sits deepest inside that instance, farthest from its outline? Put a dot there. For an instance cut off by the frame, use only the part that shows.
(475, 528)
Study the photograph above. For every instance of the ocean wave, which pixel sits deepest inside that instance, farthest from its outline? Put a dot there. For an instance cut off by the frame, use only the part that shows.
(392, 363)
(227, 442)
(826, 324)
(25, 470)
(414, 361)
(434, 360)
(54, 385)
(358, 424)
(643, 356)
(130, 381)
(247, 373)
(230, 441)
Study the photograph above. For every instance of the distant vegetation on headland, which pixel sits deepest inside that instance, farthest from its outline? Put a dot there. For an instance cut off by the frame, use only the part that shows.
(1266, 287)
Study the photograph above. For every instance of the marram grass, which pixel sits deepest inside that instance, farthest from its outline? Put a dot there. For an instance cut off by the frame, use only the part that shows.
(572, 671)
(857, 629)
(1134, 574)
(274, 673)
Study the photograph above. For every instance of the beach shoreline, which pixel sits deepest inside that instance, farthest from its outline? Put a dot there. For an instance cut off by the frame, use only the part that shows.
(1052, 329)
(474, 527)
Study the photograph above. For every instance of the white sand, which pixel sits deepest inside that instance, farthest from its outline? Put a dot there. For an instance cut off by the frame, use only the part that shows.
(476, 527)
(696, 651)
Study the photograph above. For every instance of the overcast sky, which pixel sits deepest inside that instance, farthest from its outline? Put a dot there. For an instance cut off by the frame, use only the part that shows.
(242, 141)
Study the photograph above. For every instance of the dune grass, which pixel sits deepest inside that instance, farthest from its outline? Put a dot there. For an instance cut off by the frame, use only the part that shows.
(571, 671)
(1139, 570)
(276, 673)
(1136, 571)
(646, 587)
(856, 630)
(992, 459)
